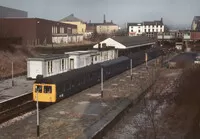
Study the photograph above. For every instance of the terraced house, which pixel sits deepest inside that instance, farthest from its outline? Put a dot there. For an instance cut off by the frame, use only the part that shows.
(149, 28)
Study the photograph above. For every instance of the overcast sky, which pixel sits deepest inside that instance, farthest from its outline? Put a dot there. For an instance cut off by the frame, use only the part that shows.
(176, 12)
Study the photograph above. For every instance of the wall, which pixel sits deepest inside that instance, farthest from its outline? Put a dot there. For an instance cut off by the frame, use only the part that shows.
(107, 29)
(33, 31)
(56, 64)
(24, 28)
(67, 39)
(34, 68)
(81, 27)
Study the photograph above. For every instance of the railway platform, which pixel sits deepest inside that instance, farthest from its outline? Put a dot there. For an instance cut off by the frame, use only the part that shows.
(21, 86)
(84, 114)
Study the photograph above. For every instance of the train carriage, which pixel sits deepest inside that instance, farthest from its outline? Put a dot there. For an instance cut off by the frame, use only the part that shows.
(54, 88)
(65, 84)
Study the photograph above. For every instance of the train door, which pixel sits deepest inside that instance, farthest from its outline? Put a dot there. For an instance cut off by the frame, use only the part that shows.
(71, 64)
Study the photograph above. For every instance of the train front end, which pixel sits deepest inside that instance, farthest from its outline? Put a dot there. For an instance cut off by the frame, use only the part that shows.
(44, 92)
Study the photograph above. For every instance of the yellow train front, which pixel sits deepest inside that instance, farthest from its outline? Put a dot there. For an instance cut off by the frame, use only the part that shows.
(44, 92)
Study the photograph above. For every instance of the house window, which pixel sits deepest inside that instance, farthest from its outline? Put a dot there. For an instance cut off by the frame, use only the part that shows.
(61, 29)
(145, 30)
(62, 64)
(49, 67)
(131, 30)
(149, 30)
(138, 31)
(152, 30)
(66, 63)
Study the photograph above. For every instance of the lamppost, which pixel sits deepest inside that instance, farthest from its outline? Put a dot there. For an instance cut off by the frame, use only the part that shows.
(12, 69)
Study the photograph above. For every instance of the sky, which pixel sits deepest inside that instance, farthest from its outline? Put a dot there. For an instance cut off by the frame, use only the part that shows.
(174, 12)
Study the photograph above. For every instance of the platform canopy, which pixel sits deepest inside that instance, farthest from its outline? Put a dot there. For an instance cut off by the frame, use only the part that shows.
(125, 42)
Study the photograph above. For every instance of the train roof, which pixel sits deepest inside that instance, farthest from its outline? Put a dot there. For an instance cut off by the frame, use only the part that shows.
(114, 61)
(68, 75)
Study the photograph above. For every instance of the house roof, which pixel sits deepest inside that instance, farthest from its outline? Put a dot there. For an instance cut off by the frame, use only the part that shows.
(153, 23)
(71, 18)
(134, 24)
(197, 17)
(45, 57)
(156, 22)
(101, 24)
(132, 41)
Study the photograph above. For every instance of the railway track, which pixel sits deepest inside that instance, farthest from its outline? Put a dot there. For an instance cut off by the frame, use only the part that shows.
(15, 107)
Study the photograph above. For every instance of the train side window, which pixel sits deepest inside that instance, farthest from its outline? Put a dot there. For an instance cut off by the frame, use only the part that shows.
(38, 88)
(47, 89)
(68, 87)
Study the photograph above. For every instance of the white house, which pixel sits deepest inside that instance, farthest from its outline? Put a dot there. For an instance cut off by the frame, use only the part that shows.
(48, 65)
(148, 28)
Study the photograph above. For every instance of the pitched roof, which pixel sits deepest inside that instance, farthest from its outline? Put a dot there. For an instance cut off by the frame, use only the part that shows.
(153, 23)
(197, 17)
(131, 41)
(100, 24)
(156, 22)
(134, 24)
(71, 18)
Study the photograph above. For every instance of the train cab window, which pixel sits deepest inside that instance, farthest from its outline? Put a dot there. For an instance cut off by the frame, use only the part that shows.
(38, 88)
(47, 89)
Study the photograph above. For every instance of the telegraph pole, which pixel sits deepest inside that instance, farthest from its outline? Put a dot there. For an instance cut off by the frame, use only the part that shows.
(146, 59)
(101, 82)
(131, 66)
(38, 122)
(12, 75)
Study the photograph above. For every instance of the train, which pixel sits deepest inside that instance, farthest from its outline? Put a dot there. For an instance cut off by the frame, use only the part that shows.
(57, 87)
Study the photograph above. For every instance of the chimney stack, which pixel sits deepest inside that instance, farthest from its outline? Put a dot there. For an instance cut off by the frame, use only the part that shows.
(90, 21)
(104, 18)
(111, 21)
(161, 19)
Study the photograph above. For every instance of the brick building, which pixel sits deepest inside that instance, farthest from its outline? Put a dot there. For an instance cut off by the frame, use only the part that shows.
(33, 31)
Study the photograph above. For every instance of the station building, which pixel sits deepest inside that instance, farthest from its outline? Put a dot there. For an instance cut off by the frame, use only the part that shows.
(126, 44)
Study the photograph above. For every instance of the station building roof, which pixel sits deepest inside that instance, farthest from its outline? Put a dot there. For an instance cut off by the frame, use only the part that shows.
(126, 42)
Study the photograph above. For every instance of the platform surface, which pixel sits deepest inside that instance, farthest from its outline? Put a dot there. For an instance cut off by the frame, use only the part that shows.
(21, 86)
(72, 117)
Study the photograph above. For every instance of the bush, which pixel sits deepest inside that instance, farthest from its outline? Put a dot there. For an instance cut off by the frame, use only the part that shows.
(188, 86)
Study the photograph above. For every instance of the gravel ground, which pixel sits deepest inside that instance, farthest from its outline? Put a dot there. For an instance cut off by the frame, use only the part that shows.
(155, 115)
(21, 86)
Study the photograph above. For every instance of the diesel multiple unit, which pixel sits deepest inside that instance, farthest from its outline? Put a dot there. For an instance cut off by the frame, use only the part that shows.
(56, 87)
